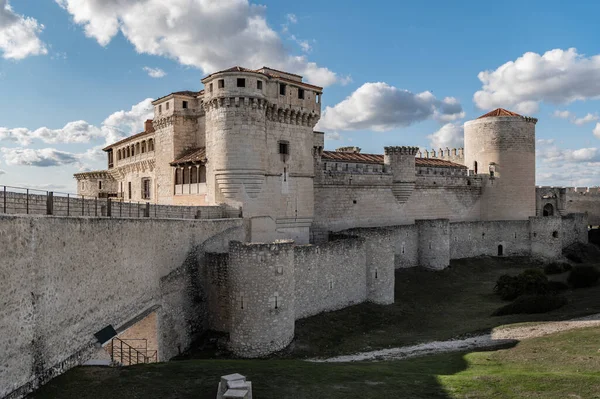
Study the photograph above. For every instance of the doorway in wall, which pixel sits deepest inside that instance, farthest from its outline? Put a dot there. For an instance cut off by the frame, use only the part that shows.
(500, 250)
(548, 210)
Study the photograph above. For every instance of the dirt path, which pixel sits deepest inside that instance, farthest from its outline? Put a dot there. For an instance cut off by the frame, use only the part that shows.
(499, 338)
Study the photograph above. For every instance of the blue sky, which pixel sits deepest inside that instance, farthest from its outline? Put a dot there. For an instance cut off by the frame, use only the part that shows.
(75, 74)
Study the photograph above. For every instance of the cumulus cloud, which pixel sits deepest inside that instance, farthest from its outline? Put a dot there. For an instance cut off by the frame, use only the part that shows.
(558, 166)
(178, 29)
(117, 126)
(451, 135)
(596, 130)
(586, 119)
(558, 77)
(379, 106)
(44, 157)
(574, 119)
(19, 34)
(562, 114)
(334, 136)
(155, 72)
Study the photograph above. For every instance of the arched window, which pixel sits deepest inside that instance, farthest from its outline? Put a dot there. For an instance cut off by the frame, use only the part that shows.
(151, 145)
(186, 175)
(128, 152)
(548, 210)
(202, 172)
(137, 148)
(118, 155)
(143, 146)
(132, 150)
(475, 167)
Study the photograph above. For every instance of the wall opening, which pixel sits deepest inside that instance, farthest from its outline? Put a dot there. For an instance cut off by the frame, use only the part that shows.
(548, 210)
(555, 234)
(500, 250)
(475, 167)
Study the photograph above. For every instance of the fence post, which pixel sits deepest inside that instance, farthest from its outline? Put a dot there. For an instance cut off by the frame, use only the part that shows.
(108, 207)
(147, 212)
(50, 203)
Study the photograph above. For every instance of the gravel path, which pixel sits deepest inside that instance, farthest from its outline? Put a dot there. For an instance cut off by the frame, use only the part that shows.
(497, 339)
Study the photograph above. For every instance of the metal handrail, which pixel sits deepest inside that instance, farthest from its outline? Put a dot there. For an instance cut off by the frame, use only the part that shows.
(128, 355)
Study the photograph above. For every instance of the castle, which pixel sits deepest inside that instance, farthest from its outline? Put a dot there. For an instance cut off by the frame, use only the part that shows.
(309, 230)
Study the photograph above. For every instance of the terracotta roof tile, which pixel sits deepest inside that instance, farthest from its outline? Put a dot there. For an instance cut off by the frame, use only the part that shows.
(499, 112)
(191, 156)
(355, 157)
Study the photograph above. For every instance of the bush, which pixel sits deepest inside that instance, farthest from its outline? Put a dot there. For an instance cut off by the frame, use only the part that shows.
(531, 281)
(557, 268)
(557, 286)
(584, 276)
(530, 304)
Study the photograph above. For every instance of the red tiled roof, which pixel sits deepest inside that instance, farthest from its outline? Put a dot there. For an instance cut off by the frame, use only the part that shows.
(276, 70)
(437, 163)
(352, 157)
(191, 156)
(188, 93)
(357, 157)
(499, 112)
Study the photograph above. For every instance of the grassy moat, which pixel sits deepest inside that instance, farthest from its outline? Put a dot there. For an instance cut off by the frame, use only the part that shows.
(456, 302)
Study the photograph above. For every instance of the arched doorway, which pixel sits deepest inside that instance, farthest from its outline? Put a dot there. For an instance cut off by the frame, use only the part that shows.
(548, 210)
(500, 250)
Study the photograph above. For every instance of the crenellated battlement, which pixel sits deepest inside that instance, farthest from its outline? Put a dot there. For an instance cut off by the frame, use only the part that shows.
(442, 153)
(402, 150)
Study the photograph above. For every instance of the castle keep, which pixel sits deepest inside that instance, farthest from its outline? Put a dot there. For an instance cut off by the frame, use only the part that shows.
(308, 230)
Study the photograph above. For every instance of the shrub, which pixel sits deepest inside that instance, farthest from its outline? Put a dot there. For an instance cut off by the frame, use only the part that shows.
(530, 304)
(557, 286)
(531, 281)
(584, 276)
(557, 267)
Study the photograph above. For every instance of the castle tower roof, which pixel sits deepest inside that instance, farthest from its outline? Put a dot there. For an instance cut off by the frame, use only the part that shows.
(499, 112)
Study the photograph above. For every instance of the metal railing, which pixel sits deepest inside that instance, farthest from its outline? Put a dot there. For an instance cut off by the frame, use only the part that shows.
(20, 200)
(126, 354)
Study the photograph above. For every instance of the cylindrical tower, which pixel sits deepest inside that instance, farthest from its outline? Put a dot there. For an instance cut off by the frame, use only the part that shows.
(235, 106)
(401, 162)
(500, 145)
(262, 284)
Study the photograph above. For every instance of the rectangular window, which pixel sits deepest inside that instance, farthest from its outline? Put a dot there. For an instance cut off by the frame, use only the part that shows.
(99, 184)
(210, 87)
(184, 105)
(301, 94)
(284, 148)
(259, 84)
(129, 188)
(282, 89)
(241, 82)
(221, 83)
(146, 188)
(167, 106)
(160, 109)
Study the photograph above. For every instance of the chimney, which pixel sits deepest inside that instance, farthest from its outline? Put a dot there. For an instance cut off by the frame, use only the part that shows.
(148, 127)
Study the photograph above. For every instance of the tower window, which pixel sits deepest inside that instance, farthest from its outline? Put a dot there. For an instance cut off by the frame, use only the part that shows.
(129, 189)
(259, 84)
(159, 109)
(282, 89)
(210, 88)
(221, 83)
(301, 94)
(146, 188)
(284, 148)
(241, 82)
(167, 106)
(184, 105)
(99, 184)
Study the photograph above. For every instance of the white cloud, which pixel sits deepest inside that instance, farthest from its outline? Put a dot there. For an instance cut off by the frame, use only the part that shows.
(44, 157)
(562, 114)
(292, 18)
(334, 136)
(451, 135)
(566, 167)
(586, 119)
(2, 172)
(557, 77)
(596, 130)
(381, 107)
(304, 44)
(210, 35)
(117, 126)
(155, 72)
(19, 34)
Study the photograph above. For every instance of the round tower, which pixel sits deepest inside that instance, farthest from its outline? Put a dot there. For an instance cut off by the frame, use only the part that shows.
(401, 162)
(235, 106)
(500, 146)
(262, 284)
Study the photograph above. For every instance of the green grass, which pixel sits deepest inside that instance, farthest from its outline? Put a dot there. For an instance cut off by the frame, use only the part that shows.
(563, 365)
(429, 306)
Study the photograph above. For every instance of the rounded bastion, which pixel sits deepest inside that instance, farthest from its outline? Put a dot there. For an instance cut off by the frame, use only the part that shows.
(501, 145)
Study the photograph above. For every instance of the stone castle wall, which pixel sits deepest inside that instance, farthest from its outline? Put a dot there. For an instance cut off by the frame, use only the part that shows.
(64, 279)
